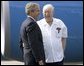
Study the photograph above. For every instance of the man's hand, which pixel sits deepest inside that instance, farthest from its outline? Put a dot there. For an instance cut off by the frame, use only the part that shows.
(41, 62)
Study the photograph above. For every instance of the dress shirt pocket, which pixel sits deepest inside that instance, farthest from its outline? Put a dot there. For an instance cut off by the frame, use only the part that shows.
(58, 32)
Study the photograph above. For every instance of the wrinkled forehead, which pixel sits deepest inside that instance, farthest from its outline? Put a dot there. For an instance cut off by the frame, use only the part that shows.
(48, 9)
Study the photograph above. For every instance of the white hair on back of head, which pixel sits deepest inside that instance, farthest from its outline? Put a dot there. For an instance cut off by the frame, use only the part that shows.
(48, 6)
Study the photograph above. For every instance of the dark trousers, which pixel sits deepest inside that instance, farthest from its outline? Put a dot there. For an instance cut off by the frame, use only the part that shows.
(55, 63)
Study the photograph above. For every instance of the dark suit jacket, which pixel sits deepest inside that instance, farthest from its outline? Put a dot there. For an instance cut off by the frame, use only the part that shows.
(31, 36)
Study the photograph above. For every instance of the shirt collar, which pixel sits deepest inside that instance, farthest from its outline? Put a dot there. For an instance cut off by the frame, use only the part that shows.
(31, 18)
(45, 23)
(54, 21)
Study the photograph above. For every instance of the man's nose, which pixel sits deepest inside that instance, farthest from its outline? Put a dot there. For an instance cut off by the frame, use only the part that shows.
(47, 14)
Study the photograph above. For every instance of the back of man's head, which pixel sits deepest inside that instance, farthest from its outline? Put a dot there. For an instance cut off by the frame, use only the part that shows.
(30, 7)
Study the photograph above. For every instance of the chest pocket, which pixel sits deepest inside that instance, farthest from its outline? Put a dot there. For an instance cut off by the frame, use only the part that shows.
(58, 32)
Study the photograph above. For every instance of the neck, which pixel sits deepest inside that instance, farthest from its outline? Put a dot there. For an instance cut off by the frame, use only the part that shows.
(49, 21)
(33, 18)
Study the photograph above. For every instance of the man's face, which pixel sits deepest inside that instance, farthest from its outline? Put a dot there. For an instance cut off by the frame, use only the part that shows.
(48, 13)
(36, 11)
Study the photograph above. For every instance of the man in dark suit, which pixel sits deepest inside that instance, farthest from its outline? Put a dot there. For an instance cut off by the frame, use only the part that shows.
(31, 37)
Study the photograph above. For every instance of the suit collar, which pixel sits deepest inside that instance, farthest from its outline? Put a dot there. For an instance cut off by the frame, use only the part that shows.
(32, 18)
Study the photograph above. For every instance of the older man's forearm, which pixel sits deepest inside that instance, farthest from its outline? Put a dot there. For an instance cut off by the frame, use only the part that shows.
(64, 43)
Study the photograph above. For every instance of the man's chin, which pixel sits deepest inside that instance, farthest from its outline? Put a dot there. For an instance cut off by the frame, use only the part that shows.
(47, 17)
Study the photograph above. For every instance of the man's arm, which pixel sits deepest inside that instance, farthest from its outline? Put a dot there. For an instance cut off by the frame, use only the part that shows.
(64, 43)
(20, 42)
(36, 43)
(64, 36)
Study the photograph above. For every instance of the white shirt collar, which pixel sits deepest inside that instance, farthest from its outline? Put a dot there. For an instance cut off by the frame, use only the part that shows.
(45, 23)
(32, 18)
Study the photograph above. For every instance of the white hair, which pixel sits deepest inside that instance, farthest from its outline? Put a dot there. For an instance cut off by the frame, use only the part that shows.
(47, 6)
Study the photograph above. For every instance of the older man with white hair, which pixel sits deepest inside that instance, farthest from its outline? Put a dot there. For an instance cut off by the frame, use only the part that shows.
(54, 34)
